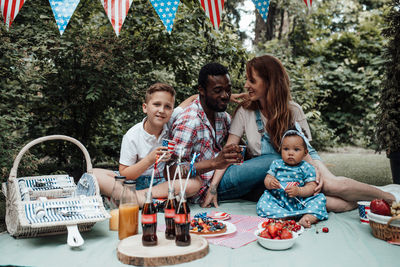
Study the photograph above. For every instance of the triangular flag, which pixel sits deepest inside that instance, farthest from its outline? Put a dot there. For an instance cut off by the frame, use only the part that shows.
(116, 11)
(63, 10)
(262, 7)
(10, 9)
(166, 10)
(213, 9)
(308, 2)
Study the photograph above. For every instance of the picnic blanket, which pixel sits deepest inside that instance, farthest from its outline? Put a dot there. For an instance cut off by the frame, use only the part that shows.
(348, 243)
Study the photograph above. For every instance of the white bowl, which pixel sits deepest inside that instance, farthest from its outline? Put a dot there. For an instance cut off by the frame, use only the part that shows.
(273, 244)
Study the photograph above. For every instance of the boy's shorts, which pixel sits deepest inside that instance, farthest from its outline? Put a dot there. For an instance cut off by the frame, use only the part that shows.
(143, 182)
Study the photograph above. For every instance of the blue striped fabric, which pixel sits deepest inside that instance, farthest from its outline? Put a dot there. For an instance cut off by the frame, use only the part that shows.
(86, 185)
(89, 211)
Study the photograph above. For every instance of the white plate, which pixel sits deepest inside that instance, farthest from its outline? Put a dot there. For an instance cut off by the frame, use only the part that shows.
(230, 229)
(298, 232)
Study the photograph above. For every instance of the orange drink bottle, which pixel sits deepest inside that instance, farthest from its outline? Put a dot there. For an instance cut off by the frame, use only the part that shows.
(182, 224)
(115, 199)
(128, 211)
(169, 213)
(149, 223)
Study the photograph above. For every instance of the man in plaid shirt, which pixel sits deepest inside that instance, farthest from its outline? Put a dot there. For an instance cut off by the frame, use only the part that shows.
(203, 127)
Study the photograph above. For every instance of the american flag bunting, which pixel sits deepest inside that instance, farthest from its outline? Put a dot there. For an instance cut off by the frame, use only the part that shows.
(166, 10)
(308, 2)
(213, 9)
(10, 9)
(116, 11)
(63, 10)
(262, 7)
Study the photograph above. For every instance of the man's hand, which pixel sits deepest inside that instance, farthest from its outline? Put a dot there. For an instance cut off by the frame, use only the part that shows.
(211, 197)
(292, 191)
(271, 182)
(230, 154)
(238, 98)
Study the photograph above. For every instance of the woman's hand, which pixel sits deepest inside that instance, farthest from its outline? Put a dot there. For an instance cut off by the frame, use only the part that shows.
(211, 197)
(238, 98)
(271, 182)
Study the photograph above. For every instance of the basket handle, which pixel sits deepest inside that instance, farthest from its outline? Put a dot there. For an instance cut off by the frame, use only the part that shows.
(393, 219)
(13, 172)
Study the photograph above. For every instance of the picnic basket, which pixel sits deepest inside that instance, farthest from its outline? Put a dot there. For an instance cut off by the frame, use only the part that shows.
(385, 227)
(48, 204)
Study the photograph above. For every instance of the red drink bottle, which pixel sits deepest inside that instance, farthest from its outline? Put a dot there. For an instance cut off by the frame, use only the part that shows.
(149, 223)
(182, 224)
(169, 212)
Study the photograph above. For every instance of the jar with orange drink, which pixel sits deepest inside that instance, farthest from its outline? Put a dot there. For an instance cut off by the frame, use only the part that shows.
(128, 211)
(115, 199)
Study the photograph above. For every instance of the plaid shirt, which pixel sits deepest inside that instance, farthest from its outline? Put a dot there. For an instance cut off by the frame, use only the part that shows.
(193, 131)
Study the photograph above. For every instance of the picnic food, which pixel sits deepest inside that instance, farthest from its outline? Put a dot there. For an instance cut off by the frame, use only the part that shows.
(325, 229)
(206, 226)
(289, 224)
(395, 209)
(279, 229)
(380, 206)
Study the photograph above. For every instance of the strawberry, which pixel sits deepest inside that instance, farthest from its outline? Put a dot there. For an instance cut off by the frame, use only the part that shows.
(381, 207)
(286, 234)
(325, 229)
(272, 230)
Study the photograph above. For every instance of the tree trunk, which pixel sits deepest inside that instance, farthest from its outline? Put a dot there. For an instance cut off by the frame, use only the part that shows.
(265, 31)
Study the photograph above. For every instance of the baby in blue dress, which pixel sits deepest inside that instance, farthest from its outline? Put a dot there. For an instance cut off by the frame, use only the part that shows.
(290, 184)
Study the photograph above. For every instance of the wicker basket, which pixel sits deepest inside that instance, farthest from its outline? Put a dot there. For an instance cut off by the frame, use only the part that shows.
(58, 206)
(385, 227)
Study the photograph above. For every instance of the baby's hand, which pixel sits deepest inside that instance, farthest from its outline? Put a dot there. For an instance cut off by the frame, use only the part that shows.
(271, 182)
(292, 191)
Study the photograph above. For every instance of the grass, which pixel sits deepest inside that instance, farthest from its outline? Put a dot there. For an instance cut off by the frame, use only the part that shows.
(357, 163)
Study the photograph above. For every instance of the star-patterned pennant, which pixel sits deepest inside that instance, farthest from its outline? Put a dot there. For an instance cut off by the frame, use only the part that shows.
(262, 7)
(63, 10)
(116, 11)
(9, 10)
(166, 10)
(308, 3)
(213, 9)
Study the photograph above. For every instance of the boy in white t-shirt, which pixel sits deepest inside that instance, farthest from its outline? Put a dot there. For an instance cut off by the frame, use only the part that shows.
(142, 143)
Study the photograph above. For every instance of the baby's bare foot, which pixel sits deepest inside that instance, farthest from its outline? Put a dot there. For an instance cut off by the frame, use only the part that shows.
(307, 220)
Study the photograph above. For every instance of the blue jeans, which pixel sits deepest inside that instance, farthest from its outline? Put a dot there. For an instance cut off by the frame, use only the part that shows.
(143, 182)
(238, 180)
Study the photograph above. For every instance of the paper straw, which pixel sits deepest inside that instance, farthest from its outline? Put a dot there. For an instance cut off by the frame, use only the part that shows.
(168, 178)
(152, 176)
(187, 178)
(301, 202)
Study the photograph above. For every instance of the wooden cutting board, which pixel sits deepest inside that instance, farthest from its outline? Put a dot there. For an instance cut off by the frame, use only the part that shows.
(131, 251)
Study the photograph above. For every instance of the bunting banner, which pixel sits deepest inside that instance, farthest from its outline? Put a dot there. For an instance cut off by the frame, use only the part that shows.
(262, 7)
(116, 11)
(166, 10)
(213, 9)
(63, 10)
(308, 2)
(10, 9)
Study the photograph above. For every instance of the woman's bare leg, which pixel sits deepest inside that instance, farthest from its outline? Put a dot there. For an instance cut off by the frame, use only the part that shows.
(105, 179)
(335, 204)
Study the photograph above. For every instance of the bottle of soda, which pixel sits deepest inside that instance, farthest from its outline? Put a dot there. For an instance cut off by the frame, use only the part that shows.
(169, 212)
(182, 223)
(115, 200)
(128, 211)
(149, 223)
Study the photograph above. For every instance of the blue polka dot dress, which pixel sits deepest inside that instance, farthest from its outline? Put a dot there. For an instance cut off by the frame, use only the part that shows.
(276, 203)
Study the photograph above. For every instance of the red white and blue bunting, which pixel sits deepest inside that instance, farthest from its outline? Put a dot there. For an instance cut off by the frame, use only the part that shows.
(63, 10)
(116, 11)
(9, 10)
(262, 7)
(166, 10)
(213, 9)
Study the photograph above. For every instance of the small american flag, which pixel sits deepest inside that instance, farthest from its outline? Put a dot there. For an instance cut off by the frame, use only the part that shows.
(168, 143)
(213, 9)
(290, 184)
(10, 9)
(116, 11)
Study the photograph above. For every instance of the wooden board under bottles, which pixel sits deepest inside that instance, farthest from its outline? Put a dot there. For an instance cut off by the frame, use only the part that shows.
(131, 251)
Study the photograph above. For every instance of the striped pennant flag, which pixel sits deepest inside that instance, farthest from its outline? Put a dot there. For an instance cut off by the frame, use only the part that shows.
(116, 11)
(10, 9)
(166, 10)
(308, 2)
(262, 7)
(213, 9)
(289, 184)
(63, 10)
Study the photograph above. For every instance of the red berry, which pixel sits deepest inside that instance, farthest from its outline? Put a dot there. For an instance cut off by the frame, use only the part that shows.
(325, 229)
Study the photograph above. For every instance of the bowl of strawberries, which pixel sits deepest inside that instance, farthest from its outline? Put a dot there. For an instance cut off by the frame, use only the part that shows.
(276, 236)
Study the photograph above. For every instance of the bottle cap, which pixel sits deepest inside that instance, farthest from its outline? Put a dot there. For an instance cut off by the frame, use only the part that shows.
(130, 182)
(120, 177)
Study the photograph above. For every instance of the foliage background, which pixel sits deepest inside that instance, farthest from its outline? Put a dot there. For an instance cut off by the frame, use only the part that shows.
(89, 84)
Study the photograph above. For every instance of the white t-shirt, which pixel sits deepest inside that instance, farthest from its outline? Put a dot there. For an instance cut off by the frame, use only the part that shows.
(244, 122)
(137, 143)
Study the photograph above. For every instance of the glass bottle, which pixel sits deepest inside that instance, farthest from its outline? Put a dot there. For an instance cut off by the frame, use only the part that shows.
(149, 222)
(169, 212)
(114, 203)
(182, 224)
(128, 211)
